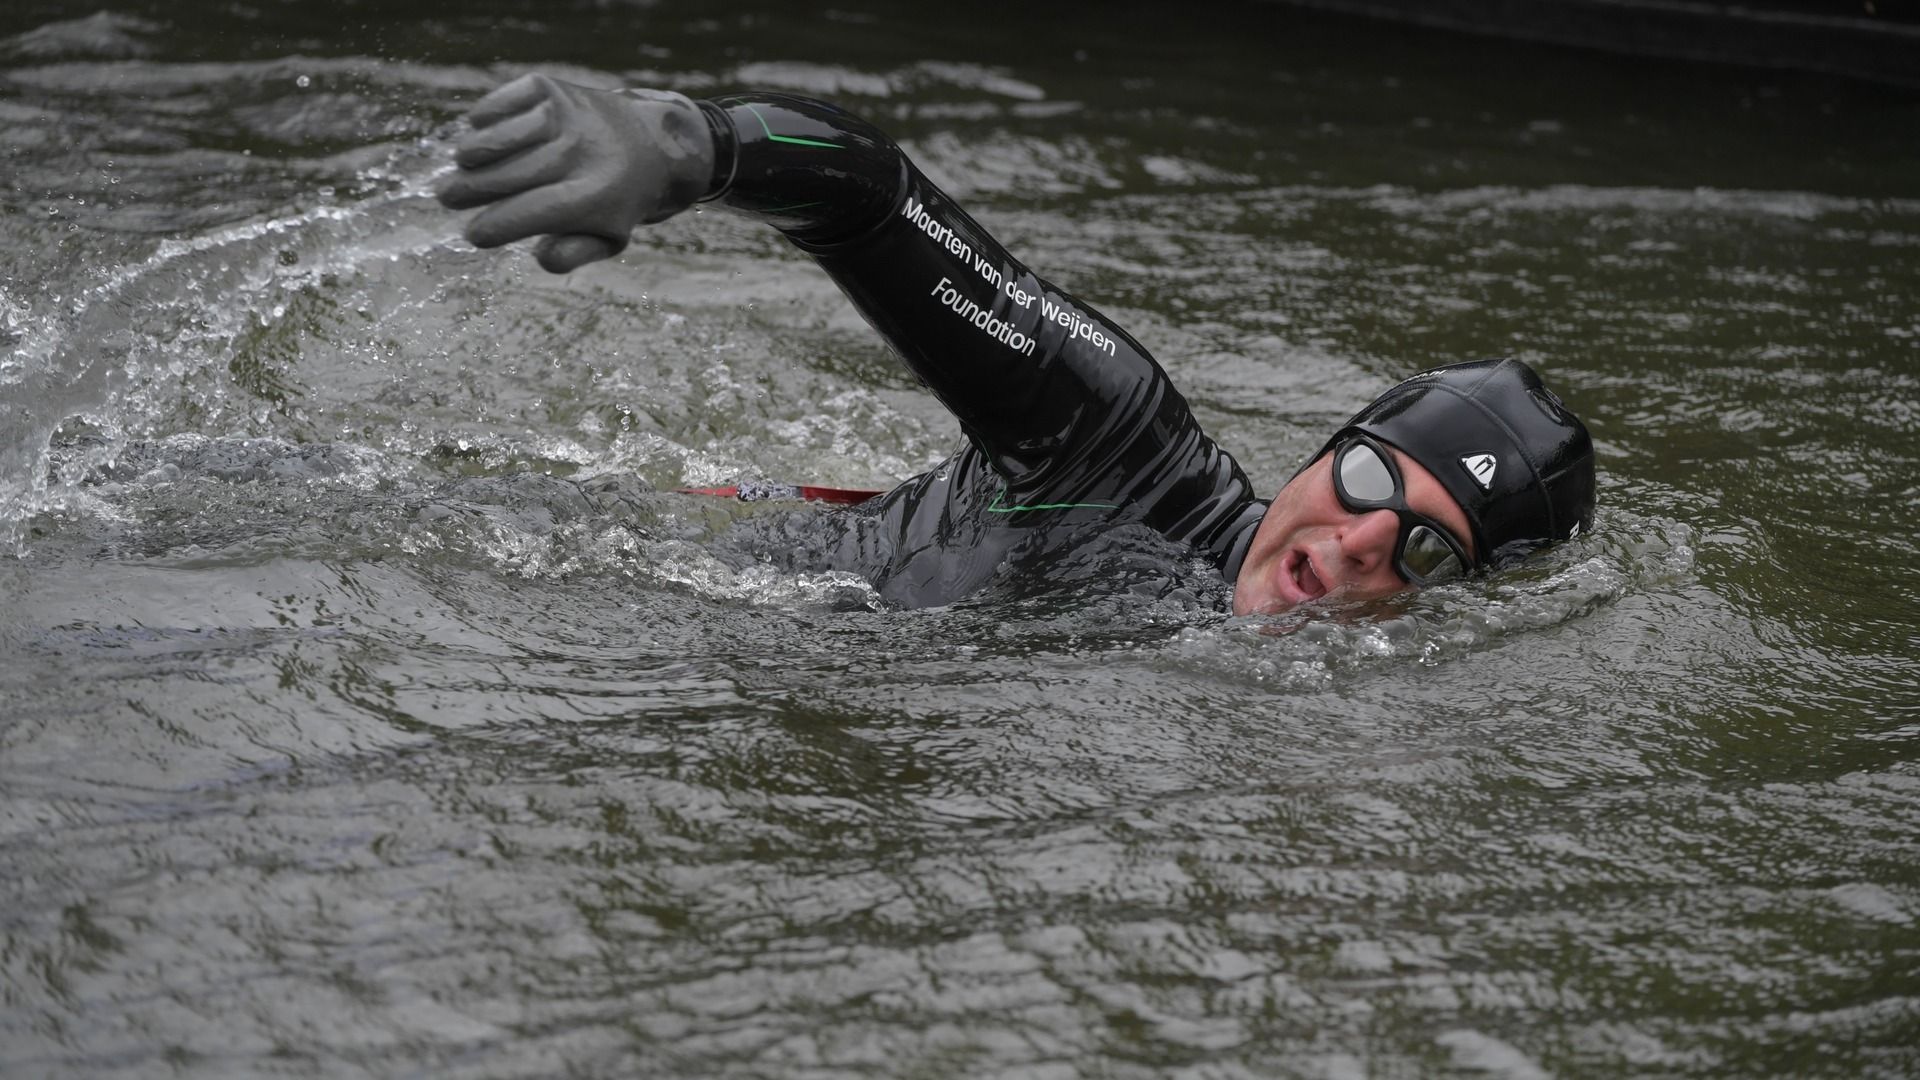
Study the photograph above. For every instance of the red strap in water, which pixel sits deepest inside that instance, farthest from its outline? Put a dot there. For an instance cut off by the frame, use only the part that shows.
(761, 491)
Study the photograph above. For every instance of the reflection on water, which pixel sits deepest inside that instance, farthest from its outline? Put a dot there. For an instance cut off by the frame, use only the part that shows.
(371, 704)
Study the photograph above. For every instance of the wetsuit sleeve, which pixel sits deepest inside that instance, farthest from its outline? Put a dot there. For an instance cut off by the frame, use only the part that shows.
(1064, 404)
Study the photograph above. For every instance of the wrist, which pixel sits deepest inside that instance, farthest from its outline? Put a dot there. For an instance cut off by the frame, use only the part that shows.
(726, 150)
(682, 145)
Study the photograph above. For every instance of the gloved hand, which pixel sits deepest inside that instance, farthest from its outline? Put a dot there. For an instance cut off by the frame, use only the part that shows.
(577, 166)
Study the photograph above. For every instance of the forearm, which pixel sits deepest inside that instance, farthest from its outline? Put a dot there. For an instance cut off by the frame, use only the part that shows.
(816, 172)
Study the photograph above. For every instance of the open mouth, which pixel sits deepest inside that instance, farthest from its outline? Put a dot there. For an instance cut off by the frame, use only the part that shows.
(1299, 571)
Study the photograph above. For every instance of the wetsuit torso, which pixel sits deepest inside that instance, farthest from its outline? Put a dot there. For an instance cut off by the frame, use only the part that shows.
(1071, 426)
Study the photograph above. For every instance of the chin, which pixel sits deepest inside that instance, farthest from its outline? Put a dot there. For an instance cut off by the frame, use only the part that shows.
(1270, 604)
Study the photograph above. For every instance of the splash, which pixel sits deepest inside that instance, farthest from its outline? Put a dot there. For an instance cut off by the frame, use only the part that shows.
(112, 355)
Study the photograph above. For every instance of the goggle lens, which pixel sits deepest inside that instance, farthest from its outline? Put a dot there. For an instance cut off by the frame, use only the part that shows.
(1365, 475)
(1429, 556)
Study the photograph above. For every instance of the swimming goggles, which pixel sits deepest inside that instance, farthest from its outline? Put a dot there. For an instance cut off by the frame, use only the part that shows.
(1365, 478)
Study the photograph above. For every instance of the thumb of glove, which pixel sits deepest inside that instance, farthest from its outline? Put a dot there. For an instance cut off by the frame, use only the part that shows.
(565, 254)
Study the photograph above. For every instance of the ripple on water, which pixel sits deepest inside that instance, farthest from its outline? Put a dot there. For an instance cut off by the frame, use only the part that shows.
(366, 696)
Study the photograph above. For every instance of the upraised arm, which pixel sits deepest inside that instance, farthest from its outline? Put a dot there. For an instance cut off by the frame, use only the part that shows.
(1049, 388)
(1066, 406)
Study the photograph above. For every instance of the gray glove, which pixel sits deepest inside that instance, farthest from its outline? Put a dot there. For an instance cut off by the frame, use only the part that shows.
(576, 166)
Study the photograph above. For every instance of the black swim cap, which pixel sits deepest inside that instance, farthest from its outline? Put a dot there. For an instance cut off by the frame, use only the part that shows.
(1502, 444)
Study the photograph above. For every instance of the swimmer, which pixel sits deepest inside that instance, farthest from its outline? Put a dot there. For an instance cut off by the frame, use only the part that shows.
(1070, 425)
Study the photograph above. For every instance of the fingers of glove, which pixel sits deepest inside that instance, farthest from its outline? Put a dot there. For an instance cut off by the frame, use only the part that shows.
(564, 254)
(484, 146)
(517, 96)
(559, 209)
(515, 176)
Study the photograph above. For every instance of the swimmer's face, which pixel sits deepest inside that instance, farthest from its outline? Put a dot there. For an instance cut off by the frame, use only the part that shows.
(1309, 546)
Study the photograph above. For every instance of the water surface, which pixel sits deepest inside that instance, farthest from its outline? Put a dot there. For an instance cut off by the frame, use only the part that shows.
(369, 707)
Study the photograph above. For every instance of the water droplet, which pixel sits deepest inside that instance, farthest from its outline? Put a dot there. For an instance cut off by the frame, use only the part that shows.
(303, 82)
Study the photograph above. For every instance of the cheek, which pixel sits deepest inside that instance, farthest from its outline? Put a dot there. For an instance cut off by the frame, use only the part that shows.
(1382, 582)
(1304, 501)
(1274, 530)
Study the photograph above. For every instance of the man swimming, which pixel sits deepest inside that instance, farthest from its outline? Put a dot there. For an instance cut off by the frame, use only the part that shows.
(1071, 426)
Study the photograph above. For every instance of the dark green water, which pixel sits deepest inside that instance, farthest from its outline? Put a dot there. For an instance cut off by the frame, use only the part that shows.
(364, 709)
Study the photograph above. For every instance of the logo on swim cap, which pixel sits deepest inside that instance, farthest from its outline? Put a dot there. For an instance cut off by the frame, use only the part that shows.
(1481, 468)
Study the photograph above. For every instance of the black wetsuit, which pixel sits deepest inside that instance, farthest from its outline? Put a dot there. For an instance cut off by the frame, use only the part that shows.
(1070, 424)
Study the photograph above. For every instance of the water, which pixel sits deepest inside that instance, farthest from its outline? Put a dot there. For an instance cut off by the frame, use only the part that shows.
(368, 708)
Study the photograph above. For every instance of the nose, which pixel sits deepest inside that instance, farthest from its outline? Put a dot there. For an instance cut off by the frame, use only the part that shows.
(1367, 541)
